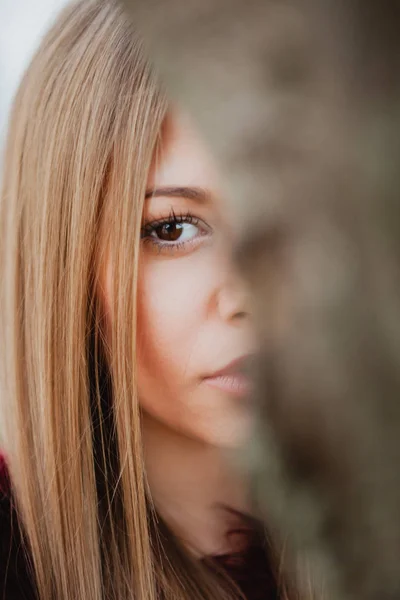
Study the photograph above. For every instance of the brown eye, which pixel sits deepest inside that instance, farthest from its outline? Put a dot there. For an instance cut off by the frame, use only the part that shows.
(175, 232)
(169, 232)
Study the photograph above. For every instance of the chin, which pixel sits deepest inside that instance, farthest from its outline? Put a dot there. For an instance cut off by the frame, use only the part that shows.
(229, 433)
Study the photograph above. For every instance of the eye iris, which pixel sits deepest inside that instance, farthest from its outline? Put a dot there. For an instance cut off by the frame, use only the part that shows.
(169, 232)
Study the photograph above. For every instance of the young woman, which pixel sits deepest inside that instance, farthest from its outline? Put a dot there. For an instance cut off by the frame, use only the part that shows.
(125, 333)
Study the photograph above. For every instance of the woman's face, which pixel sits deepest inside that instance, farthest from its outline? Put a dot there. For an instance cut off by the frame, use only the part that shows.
(193, 323)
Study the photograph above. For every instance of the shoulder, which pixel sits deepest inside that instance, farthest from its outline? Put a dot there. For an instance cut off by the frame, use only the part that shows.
(15, 582)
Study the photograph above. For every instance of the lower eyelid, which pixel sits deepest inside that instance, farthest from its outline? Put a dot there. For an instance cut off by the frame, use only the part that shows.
(171, 247)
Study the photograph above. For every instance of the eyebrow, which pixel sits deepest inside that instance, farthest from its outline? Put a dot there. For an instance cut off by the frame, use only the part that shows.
(197, 194)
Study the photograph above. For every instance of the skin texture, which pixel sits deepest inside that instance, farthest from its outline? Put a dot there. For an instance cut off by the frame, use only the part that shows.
(192, 321)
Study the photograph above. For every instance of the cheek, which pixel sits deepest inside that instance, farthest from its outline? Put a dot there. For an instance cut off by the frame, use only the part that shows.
(174, 298)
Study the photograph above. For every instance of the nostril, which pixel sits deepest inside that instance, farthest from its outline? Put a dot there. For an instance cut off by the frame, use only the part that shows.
(240, 315)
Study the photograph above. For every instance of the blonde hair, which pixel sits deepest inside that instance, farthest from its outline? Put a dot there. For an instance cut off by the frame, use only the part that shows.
(84, 127)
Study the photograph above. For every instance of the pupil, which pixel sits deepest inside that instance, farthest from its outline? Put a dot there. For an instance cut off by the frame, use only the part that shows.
(169, 232)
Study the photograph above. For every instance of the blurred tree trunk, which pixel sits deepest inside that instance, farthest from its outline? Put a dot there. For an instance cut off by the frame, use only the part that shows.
(300, 103)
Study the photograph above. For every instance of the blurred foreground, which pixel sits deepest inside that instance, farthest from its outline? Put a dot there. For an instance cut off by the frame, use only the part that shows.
(300, 103)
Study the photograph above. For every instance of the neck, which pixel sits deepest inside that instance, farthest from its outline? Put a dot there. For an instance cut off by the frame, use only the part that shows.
(191, 484)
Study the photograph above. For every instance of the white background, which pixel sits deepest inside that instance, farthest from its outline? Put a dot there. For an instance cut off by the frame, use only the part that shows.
(22, 24)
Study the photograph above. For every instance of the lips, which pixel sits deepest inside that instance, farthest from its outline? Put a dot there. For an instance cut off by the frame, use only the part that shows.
(233, 378)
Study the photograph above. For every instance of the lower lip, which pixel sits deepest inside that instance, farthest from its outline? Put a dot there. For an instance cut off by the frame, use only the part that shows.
(237, 384)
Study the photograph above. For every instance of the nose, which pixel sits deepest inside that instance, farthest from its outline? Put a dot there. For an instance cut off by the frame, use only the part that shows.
(232, 298)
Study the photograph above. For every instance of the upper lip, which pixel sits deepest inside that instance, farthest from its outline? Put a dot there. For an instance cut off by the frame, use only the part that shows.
(236, 366)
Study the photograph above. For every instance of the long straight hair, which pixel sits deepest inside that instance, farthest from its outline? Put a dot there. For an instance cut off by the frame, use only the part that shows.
(85, 124)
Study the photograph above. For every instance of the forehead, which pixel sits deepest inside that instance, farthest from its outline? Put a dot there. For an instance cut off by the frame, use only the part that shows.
(183, 158)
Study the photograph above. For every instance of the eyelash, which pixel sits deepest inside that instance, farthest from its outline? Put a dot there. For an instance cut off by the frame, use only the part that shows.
(150, 226)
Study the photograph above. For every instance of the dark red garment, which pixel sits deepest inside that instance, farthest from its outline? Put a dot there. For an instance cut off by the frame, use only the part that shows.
(250, 570)
(15, 580)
